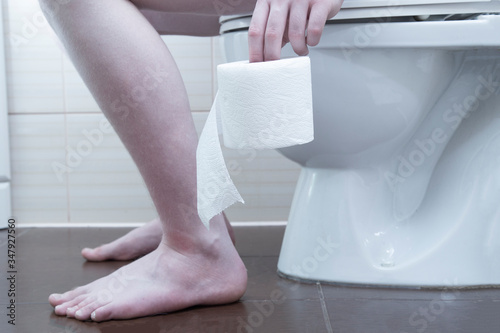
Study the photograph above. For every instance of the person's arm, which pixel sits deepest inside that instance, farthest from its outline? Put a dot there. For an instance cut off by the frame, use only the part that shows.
(277, 22)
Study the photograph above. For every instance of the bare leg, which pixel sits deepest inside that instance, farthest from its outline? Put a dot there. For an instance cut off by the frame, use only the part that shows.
(135, 243)
(146, 238)
(118, 53)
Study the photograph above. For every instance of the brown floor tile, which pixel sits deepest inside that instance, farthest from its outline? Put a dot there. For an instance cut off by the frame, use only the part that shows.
(353, 292)
(259, 241)
(40, 318)
(290, 316)
(263, 282)
(4, 268)
(4, 233)
(49, 260)
(409, 316)
(261, 317)
(3, 238)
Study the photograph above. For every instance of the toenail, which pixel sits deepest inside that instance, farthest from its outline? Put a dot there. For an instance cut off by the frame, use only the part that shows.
(71, 309)
(78, 313)
(92, 316)
(57, 307)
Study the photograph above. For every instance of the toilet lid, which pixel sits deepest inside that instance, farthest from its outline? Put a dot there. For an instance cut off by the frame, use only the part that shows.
(365, 9)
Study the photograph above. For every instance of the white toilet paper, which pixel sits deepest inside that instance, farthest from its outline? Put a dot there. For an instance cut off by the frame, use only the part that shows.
(265, 105)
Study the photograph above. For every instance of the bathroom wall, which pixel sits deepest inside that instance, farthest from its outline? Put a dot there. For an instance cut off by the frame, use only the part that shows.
(62, 175)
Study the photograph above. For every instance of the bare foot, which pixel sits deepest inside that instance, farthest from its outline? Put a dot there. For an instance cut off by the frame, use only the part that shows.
(167, 279)
(135, 244)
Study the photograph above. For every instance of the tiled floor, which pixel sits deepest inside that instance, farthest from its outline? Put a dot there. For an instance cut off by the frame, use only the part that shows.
(49, 260)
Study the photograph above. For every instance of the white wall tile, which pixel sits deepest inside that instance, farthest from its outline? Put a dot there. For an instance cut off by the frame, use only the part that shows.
(38, 195)
(34, 85)
(240, 212)
(33, 61)
(105, 185)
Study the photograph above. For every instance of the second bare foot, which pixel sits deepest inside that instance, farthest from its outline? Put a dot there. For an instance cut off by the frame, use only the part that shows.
(136, 243)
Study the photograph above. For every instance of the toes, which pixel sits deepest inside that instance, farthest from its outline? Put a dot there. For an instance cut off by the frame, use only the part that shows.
(85, 312)
(55, 299)
(80, 305)
(70, 312)
(58, 299)
(87, 253)
(97, 254)
(62, 309)
(102, 313)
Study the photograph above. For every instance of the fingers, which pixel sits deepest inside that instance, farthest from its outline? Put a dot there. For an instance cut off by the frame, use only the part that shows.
(275, 30)
(256, 31)
(275, 22)
(317, 19)
(320, 13)
(267, 29)
(297, 27)
(265, 34)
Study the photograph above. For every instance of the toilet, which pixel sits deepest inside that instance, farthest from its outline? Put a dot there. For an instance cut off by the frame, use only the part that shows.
(401, 185)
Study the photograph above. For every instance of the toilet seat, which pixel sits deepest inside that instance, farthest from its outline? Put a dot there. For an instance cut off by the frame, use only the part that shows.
(370, 9)
(355, 9)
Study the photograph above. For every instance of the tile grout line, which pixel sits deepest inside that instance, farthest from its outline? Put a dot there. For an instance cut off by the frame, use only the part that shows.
(326, 316)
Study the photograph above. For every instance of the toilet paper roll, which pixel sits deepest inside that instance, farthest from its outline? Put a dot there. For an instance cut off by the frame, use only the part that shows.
(265, 105)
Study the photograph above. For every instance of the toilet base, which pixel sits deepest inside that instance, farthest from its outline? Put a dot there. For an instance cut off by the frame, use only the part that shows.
(328, 240)
(359, 285)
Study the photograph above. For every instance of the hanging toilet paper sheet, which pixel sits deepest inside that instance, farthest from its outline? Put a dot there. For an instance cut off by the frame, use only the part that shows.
(264, 105)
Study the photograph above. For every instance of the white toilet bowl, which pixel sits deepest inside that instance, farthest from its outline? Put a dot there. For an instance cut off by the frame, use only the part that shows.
(401, 185)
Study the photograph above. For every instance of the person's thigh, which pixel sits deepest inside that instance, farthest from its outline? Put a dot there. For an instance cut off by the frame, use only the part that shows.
(182, 24)
(204, 7)
(190, 17)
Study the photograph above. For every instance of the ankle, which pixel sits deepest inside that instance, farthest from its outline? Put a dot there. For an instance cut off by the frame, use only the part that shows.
(199, 239)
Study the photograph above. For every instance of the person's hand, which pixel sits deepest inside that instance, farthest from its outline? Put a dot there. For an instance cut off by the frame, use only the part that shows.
(277, 22)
